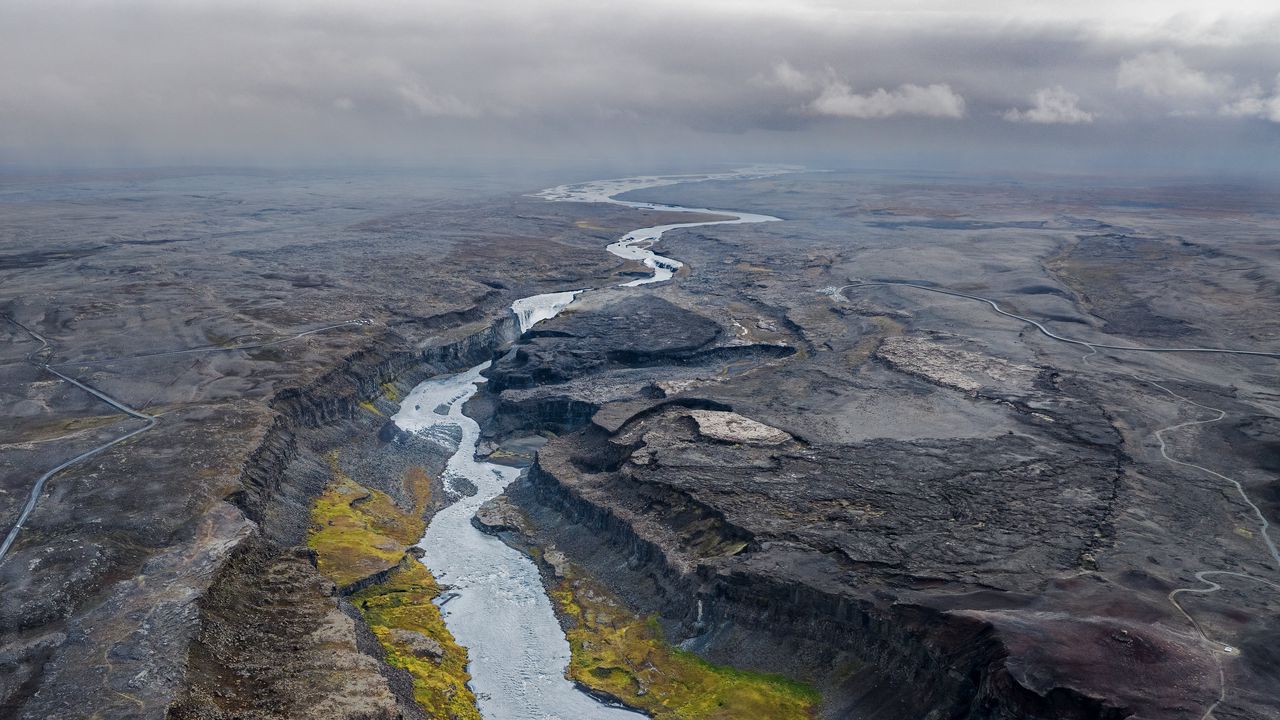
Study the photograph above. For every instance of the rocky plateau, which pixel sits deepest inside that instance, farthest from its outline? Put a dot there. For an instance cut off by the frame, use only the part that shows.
(795, 456)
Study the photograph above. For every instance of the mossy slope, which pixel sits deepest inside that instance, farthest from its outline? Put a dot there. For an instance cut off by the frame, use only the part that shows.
(403, 603)
(357, 532)
(625, 656)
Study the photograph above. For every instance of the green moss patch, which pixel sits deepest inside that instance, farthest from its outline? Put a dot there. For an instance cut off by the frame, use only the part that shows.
(390, 392)
(356, 532)
(615, 652)
(344, 534)
(410, 629)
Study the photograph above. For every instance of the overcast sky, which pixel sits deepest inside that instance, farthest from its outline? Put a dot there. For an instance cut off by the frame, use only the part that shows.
(1067, 85)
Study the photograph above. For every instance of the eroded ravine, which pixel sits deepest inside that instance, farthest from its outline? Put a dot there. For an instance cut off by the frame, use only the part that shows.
(495, 604)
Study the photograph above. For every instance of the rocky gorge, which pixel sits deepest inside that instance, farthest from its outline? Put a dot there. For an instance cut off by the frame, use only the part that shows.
(909, 576)
(876, 505)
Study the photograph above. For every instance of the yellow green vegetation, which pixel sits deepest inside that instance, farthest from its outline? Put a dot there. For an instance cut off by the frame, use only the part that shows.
(499, 455)
(389, 392)
(412, 632)
(356, 532)
(625, 656)
(369, 407)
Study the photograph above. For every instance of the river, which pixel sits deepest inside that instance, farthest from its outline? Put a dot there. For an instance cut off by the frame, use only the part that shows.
(637, 244)
(495, 604)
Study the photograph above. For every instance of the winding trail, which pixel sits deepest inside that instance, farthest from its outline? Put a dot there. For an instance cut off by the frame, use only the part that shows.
(1209, 586)
(1217, 647)
(151, 420)
(38, 487)
(1263, 524)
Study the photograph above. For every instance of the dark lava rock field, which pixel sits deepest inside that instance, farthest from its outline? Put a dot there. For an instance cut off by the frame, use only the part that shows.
(921, 507)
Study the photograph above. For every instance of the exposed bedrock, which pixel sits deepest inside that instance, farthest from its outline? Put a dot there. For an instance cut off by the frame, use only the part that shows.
(226, 596)
(906, 579)
(273, 623)
(629, 333)
(560, 374)
(335, 397)
(270, 616)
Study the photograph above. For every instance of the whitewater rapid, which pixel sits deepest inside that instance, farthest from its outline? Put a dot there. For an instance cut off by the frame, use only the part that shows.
(534, 309)
(494, 603)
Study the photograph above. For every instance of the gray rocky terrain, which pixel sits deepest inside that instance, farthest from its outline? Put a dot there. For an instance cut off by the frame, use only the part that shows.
(965, 517)
(798, 454)
(185, 297)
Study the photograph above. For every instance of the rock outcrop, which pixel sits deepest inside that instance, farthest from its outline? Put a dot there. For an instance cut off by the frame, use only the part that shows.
(903, 577)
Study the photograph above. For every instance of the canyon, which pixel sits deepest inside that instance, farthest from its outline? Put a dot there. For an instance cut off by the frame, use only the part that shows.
(797, 450)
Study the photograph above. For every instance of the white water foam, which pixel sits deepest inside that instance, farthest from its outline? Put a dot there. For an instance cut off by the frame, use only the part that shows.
(534, 309)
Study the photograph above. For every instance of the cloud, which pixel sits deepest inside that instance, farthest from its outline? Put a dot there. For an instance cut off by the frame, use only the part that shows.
(784, 75)
(1164, 74)
(295, 81)
(1254, 103)
(937, 100)
(1188, 92)
(1051, 106)
(429, 104)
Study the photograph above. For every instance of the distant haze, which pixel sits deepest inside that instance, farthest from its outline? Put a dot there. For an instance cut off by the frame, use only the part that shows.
(1081, 86)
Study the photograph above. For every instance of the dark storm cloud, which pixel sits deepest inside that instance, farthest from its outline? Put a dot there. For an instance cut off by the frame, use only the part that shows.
(287, 81)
